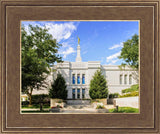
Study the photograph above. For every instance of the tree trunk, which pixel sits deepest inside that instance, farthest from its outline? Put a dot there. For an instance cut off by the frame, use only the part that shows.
(30, 99)
(41, 106)
(30, 96)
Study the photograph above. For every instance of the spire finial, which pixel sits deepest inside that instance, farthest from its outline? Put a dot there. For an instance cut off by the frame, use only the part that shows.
(78, 40)
(78, 58)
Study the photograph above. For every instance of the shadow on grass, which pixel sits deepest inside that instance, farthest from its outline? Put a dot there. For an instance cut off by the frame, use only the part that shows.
(37, 111)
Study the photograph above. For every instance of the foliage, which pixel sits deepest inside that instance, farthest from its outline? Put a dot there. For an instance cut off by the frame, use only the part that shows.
(124, 110)
(40, 98)
(98, 86)
(114, 95)
(33, 106)
(58, 89)
(24, 102)
(100, 107)
(129, 52)
(131, 89)
(39, 51)
(135, 93)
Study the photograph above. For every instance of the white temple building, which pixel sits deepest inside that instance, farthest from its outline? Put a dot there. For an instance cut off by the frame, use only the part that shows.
(78, 75)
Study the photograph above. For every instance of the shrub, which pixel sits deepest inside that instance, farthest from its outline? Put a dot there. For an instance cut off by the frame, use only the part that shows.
(130, 94)
(131, 89)
(25, 103)
(100, 107)
(114, 95)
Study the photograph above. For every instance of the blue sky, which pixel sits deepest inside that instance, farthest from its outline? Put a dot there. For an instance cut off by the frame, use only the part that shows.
(99, 40)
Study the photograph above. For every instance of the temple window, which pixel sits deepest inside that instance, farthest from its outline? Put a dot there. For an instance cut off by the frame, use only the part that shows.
(78, 79)
(83, 79)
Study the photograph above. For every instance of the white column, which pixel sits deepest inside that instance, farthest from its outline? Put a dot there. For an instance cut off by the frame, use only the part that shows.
(80, 93)
(75, 93)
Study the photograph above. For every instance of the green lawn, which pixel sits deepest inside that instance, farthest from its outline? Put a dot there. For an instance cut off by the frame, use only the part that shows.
(124, 110)
(37, 111)
(35, 106)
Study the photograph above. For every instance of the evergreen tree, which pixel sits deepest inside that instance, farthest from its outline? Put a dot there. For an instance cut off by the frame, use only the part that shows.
(58, 88)
(98, 86)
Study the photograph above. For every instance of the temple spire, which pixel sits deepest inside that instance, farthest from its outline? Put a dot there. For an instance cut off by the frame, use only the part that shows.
(78, 58)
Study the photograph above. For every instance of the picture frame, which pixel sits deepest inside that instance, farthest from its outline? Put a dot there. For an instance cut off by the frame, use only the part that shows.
(13, 11)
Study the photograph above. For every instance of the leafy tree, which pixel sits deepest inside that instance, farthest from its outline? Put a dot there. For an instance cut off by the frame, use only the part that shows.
(129, 52)
(39, 51)
(58, 88)
(98, 86)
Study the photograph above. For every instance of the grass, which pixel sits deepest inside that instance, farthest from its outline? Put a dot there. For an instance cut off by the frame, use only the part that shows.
(124, 110)
(35, 106)
(37, 111)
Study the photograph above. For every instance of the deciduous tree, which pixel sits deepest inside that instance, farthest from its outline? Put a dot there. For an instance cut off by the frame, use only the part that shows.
(130, 55)
(39, 51)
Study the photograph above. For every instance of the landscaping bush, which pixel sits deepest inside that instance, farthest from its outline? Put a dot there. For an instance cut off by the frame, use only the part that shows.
(114, 95)
(133, 88)
(100, 107)
(136, 93)
(41, 98)
(24, 103)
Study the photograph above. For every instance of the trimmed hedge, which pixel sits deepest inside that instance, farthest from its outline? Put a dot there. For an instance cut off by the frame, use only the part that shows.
(131, 89)
(136, 93)
(25, 102)
(114, 95)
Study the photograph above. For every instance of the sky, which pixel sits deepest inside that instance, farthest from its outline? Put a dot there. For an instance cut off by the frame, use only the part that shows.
(99, 40)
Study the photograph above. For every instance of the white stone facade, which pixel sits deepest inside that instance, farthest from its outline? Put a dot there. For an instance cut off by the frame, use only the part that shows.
(117, 79)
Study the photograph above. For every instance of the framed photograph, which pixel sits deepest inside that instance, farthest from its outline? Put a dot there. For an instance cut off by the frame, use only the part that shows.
(79, 66)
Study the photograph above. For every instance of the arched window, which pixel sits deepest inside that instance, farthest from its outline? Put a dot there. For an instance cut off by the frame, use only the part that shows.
(83, 93)
(78, 93)
(83, 79)
(125, 79)
(78, 79)
(130, 79)
(73, 78)
(73, 93)
(120, 79)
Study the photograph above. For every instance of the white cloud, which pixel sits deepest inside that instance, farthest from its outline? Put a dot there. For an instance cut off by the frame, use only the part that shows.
(116, 46)
(66, 52)
(113, 58)
(114, 61)
(61, 31)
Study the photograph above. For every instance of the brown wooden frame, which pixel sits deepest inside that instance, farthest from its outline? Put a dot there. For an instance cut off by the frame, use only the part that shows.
(13, 11)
